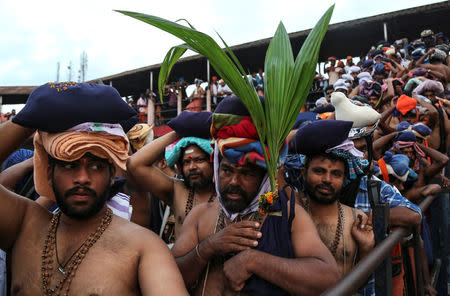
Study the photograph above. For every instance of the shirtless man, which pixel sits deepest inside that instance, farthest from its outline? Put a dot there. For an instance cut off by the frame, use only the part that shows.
(230, 248)
(53, 254)
(439, 123)
(323, 177)
(194, 165)
(437, 63)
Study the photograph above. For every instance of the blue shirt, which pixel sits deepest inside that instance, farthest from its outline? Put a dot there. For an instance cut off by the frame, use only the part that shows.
(388, 194)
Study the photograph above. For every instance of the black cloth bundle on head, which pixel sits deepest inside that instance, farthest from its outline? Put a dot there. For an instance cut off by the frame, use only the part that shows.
(318, 136)
(233, 105)
(70, 103)
(303, 118)
(192, 124)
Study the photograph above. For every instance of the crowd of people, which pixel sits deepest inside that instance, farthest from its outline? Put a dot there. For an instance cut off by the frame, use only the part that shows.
(99, 206)
(194, 100)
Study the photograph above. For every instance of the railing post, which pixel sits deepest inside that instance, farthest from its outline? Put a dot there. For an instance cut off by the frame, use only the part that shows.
(380, 221)
(179, 105)
(208, 100)
(151, 112)
(383, 273)
(418, 262)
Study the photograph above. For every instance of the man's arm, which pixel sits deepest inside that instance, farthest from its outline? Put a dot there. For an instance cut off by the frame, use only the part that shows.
(13, 208)
(439, 160)
(433, 115)
(140, 168)
(421, 60)
(12, 175)
(157, 272)
(192, 256)
(311, 272)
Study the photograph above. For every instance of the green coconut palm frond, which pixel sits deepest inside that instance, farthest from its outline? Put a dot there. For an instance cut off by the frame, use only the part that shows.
(287, 82)
(170, 59)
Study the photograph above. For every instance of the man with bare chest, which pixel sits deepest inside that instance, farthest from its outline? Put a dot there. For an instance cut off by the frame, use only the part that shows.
(192, 157)
(234, 248)
(83, 249)
(345, 231)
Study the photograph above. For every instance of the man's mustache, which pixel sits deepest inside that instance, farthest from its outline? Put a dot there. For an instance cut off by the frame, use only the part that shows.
(82, 189)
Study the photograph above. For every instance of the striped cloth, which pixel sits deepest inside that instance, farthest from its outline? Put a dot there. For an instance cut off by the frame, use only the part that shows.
(120, 205)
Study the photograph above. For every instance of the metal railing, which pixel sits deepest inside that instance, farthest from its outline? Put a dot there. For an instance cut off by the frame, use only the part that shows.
(355, 279)
(160, 116)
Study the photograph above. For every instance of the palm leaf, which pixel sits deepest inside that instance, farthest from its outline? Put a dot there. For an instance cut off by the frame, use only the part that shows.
(170, 59)
(286, 83)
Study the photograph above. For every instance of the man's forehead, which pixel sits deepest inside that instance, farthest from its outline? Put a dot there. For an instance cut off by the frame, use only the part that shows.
(321, 160)
(247, 166)
(193, 151)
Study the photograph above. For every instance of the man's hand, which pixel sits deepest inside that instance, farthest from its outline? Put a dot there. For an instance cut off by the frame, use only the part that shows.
(362, 232)
(233, 238)
(236, 271)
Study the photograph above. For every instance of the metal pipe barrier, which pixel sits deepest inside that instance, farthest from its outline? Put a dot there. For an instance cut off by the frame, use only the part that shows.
(356, 278)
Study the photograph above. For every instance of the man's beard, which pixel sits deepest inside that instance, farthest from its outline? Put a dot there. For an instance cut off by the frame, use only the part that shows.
(203, 183)
(71, 211)
(236, 206)
(317, 197)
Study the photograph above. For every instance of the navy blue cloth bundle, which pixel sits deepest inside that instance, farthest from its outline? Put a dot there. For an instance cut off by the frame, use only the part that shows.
(192, 124)
(56, 107)
(318, 136)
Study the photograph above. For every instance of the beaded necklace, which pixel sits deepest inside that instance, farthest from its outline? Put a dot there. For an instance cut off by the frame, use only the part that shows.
(191, 200)
(69, 269)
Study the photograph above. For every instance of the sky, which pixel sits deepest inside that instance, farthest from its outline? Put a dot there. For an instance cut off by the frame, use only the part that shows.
(37, 35)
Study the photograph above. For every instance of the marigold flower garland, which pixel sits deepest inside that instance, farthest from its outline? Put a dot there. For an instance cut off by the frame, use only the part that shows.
(266, 201)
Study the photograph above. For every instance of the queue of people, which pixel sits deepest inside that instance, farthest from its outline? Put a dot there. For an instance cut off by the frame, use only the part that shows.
(100, 183)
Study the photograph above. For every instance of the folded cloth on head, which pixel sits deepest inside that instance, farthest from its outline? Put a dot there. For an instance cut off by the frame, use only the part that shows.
(405, 104)
(369, 88)
(367, 64)
(321, 101)
(405, 136)
(138, 135)
(354, 69)
(412, 83)
(396, 165)
(332, 133)
(173, 151)
(418, 53)
(340, 84)
(192, 124)
(398, 145)
(364, 76)
(106, 141)
(429, 85)
(419, 129)
(347, 77)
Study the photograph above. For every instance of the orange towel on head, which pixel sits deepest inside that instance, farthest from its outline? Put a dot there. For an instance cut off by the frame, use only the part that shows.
(70, 146)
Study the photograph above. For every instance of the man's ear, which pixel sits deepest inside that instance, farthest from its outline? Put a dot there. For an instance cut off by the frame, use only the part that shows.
(304, 173)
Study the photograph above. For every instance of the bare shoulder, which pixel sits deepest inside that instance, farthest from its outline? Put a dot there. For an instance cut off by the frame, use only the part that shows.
(134, 234)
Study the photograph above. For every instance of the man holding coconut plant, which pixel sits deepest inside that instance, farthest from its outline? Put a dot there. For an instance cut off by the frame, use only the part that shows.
(252, 242)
